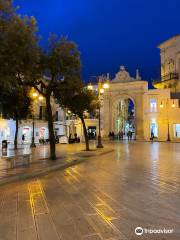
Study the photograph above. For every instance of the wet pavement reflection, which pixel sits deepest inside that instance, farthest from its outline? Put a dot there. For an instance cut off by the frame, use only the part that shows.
(106, 197)
(40, 153)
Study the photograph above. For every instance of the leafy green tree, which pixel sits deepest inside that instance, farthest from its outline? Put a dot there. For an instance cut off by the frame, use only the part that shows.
(19, 54)
(78, 102)
(61, 63)
(16, 105)
(22, 61)
(19, 50)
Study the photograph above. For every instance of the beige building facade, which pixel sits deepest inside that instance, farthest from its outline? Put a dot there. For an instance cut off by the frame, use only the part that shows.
(155, 111)
(170, 64)
(162, 114)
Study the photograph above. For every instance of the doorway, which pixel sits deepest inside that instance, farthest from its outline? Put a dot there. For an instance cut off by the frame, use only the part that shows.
(154, 128)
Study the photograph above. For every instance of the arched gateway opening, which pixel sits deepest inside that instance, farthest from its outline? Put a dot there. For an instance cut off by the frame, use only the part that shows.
(124, 117)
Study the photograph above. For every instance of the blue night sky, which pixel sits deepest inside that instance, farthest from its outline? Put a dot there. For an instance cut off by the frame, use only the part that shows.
(109, 33)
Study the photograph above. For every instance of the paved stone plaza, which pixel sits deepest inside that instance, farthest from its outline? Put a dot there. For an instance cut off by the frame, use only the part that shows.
(26, 163)
(106, 197)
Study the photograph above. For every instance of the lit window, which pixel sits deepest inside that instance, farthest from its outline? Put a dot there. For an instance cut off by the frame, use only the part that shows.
(153, 105)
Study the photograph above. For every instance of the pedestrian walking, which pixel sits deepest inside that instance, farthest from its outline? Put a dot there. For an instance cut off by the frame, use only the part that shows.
(113, 135)
(119, 135)
(110, 135)
(122, 134)
(128, 135)
(23, 139)
(152, 137)
(131, 134)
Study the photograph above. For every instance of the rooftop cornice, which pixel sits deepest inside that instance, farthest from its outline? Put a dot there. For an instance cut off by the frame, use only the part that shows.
(169, 41)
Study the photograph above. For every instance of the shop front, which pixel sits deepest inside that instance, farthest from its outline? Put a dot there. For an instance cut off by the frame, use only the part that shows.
(7, 130)
(25, 133)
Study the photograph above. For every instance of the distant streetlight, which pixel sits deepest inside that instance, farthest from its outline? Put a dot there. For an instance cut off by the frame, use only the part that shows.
(101, 89)
(173, 105)
(106, 85)
(35, 96)
(161, 105)
(40, 98)
(90, 87)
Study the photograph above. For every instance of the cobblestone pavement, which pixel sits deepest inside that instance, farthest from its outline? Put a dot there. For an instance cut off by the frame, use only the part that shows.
(138, 185)
(41, 152)
(20, 168)
(39, 156)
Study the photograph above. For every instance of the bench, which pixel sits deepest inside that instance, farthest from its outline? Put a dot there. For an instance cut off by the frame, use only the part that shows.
(19, 160)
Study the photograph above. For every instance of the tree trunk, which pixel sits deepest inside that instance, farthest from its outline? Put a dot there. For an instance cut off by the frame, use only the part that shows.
(85, 134)
(16, 134)
(51, 128)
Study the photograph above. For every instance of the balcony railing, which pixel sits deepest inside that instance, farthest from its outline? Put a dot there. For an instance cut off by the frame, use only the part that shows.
(166, 78)
(169, 77)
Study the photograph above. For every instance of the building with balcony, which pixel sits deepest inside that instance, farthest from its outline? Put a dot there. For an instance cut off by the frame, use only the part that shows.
(170, 65)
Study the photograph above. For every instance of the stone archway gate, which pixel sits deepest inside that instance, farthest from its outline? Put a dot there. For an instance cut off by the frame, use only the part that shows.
(123, 87)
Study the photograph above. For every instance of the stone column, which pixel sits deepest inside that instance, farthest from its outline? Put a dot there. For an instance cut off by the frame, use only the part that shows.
(105, 116)
(139, 116)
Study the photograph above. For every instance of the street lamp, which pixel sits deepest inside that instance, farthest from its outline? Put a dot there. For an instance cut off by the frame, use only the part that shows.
(173, 105)
(167, 105)
(106, 85)
(101, 89)
(90, 87)
(40, 98)
(35, 96)
(161, 105)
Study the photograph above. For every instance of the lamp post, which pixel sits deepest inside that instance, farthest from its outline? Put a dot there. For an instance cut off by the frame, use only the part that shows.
(35, 96)
(168, 135)
(33, 145)
(168, 125)
(101, 89)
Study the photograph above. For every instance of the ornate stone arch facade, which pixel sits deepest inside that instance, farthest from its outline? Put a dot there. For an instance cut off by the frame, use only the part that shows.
(124, 87)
